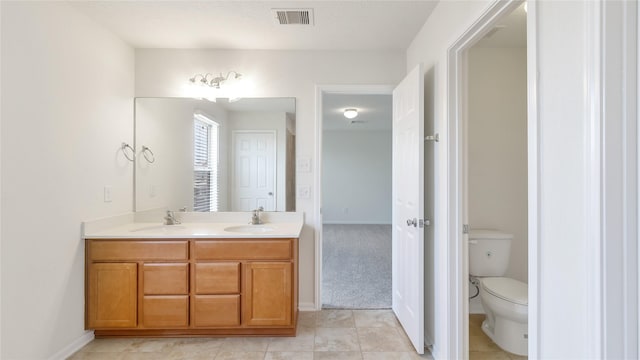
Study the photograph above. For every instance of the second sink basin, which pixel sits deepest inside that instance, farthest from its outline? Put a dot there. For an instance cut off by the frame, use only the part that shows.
(249, 229)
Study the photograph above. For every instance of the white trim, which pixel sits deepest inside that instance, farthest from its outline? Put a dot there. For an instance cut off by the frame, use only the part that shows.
(457, 305)
(306, 306)
(534, 173)
(317, 182)
(592, 176)
(73, 347)
(637, 174)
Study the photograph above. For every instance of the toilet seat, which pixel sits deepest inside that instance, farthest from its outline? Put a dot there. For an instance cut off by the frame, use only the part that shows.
(508, 289)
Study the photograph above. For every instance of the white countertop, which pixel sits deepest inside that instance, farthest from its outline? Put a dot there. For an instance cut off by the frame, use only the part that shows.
(226, 225)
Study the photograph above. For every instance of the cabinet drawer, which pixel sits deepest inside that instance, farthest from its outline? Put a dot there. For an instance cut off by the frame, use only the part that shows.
(165, 311)
(217, 278)
(276, 249)
(215, 310)
(110, 250)
(166, 279)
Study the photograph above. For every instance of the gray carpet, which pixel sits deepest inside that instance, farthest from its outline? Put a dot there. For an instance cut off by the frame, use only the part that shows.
(356, 266)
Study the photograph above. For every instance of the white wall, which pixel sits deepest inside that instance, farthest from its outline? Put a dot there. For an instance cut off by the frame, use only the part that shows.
(67, 105)
(497, 147)
(356, 177)
(275, 74)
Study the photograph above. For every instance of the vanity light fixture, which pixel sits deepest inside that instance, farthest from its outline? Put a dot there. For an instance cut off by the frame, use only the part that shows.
(350, 113)
(213, 81)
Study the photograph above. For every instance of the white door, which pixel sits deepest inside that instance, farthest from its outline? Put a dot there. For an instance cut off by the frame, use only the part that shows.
(408, 182)
(254, 173)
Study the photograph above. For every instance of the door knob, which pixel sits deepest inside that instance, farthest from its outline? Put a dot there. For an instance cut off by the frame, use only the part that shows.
(413, 222)
(270, 193)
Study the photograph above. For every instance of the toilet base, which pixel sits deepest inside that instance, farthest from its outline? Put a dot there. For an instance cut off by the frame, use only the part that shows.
(509, 335)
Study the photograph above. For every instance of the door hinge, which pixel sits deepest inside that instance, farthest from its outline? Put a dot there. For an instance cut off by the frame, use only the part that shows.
(435, 137)
(465, 228)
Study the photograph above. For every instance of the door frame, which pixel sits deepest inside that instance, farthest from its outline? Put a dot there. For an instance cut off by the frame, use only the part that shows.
(317, 180)
(457, 247)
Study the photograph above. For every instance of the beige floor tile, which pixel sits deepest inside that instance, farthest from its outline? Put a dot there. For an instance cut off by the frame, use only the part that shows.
(337, 355)
(335, 319)
(245, 344)
(192, 356)
(336, 339)
(145, 356)
(516, 357)
(476, 319)
(488, 355)
(108, 345)
(196, 346)
(151, 345)
(81, 355)
(240, 355)
(307, 318)
(304, 341)
(403, 355)
(289, 355)
(375, 318)
(482, 343)
(381, 339)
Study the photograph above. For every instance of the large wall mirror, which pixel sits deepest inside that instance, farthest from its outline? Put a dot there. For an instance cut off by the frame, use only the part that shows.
(215, 156)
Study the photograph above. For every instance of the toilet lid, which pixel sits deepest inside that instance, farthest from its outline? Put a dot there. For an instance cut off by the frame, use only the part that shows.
(508, 289)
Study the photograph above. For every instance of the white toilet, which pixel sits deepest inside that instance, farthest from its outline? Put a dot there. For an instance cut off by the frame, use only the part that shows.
(504, 300)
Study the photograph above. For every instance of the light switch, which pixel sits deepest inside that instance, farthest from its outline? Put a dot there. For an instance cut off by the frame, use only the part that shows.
(303, 165)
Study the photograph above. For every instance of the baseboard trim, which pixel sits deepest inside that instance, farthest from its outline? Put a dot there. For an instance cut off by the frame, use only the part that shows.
(73, 347)
(306, 306)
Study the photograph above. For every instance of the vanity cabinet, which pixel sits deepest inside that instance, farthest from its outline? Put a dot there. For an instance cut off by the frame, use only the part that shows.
(174, 287)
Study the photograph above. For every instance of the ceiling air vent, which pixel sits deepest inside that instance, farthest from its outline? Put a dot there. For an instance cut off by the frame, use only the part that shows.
(293, 16)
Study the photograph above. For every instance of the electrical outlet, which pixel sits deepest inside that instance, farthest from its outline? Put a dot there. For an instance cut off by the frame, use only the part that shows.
(304, 191)
(107, 194)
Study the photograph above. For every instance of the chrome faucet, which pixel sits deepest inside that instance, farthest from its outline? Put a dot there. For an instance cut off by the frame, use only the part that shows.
(255, 218)
(170, 218)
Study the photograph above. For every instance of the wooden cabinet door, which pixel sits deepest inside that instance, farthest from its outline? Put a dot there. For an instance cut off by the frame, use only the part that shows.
(112, 295)
(267, 293)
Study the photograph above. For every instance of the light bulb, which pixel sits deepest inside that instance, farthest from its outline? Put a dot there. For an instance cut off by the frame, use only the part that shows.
(350, 113)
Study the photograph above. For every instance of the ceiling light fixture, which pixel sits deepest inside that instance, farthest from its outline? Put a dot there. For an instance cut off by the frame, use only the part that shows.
(350, 113)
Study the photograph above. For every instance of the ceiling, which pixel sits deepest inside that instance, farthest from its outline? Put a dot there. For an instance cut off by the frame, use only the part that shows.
(374, 112)
(339, 25)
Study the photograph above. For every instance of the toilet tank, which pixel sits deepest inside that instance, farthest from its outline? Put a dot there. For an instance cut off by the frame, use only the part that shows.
(489, 252)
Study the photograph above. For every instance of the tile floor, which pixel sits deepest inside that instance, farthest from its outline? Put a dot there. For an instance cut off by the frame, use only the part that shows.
(481, 347)
(322, 335)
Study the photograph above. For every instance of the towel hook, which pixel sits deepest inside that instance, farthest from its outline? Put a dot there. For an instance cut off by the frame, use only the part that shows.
(146, 152)
(124, 148)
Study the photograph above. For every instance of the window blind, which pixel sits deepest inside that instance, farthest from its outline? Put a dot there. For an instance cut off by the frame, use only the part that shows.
(205, 164)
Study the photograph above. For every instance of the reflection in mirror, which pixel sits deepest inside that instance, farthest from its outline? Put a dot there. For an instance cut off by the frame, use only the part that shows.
(215, 156)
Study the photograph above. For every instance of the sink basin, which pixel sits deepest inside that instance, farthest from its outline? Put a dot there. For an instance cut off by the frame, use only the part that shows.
(163, 228)
(249, 229)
